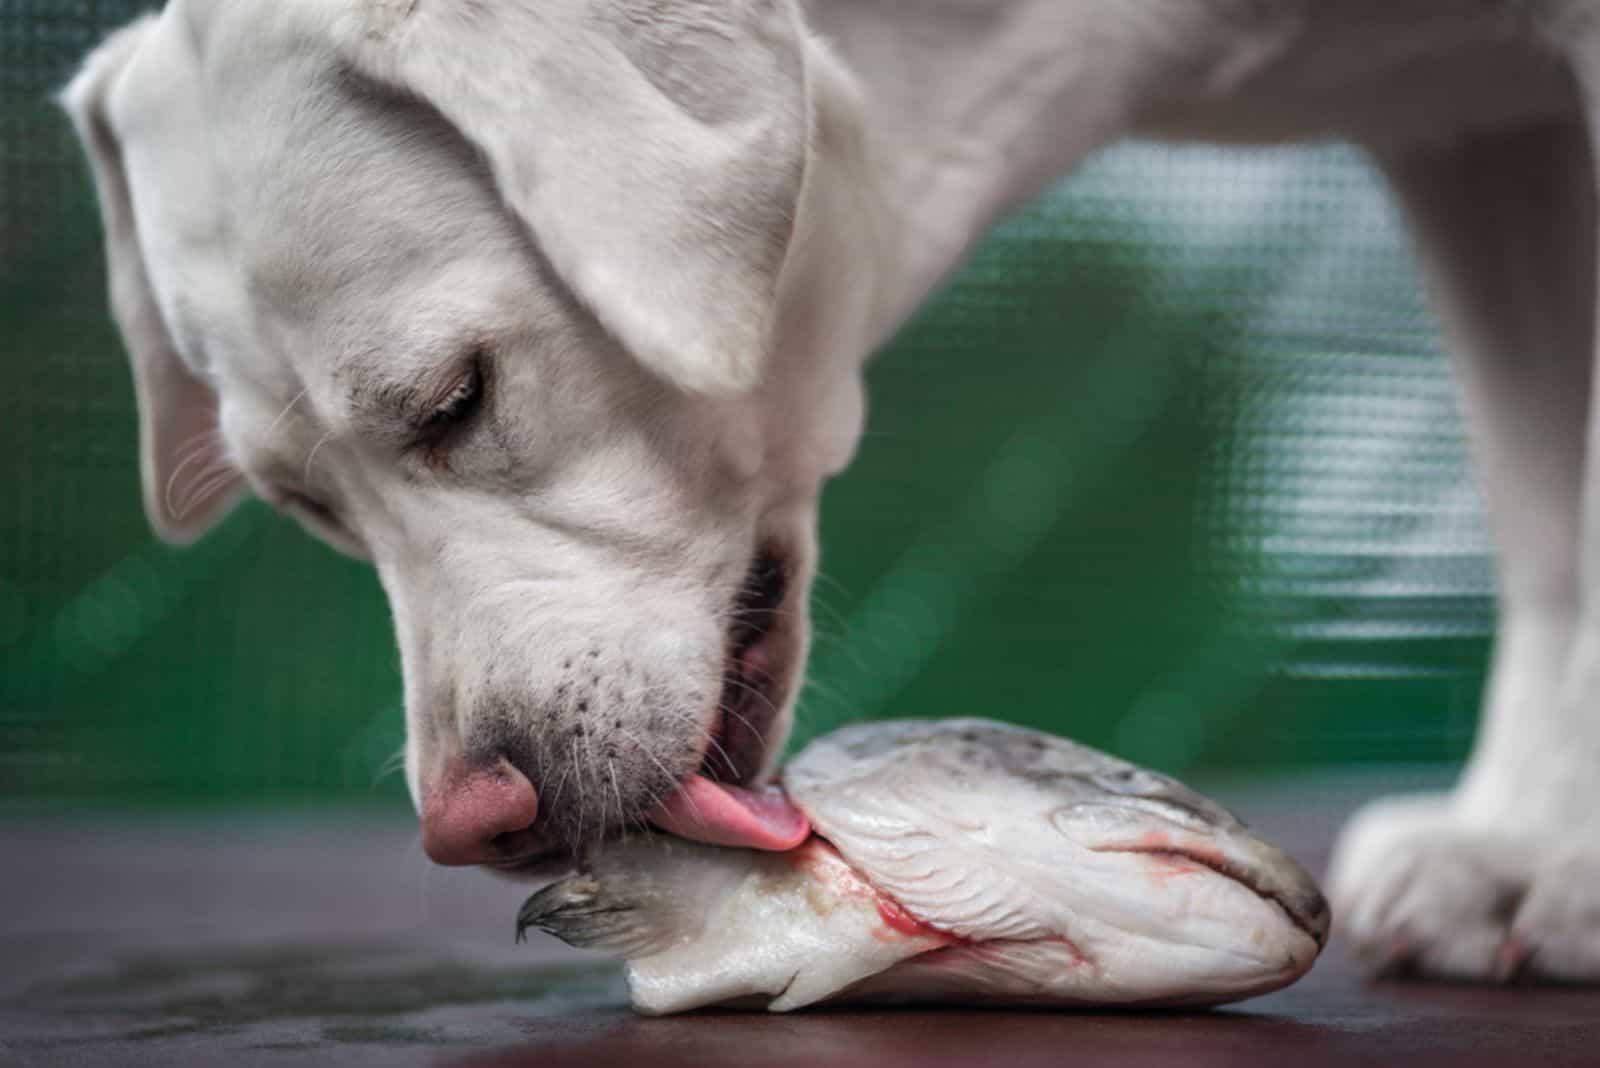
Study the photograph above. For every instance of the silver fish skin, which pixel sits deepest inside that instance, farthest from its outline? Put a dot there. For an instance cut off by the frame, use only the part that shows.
(955, 861)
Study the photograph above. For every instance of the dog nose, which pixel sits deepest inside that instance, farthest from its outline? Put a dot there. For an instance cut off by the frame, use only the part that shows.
(476, 815)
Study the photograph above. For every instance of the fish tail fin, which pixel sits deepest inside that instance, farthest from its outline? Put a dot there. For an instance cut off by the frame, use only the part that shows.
(637, 900)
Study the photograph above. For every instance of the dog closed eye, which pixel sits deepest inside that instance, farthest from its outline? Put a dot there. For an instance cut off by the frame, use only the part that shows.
(456, 405)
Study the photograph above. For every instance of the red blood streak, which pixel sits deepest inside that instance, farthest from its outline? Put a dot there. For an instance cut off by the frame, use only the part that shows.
(1079, 959)
(1160, 842)
(1164, 866)
(818, 858)
(898, 919)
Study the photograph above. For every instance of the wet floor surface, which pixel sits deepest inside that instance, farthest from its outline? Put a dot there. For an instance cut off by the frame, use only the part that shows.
(296, 940)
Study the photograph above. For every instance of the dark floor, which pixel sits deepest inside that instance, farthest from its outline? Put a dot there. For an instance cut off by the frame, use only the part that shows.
(291, 940)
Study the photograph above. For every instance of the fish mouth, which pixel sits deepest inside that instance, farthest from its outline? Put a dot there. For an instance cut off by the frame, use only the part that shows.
(722, 802)
(1269, 874)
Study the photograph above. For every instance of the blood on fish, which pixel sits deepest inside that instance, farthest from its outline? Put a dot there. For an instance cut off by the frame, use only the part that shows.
(1188, 854)
(1079, 958)
(901, 922)
(898, 923)
(1164, 866)
(821, 861)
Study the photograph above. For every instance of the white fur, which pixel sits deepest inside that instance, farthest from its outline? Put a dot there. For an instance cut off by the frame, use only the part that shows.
(678, 228)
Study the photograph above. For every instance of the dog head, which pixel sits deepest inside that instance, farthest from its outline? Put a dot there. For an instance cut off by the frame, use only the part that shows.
(524, 301)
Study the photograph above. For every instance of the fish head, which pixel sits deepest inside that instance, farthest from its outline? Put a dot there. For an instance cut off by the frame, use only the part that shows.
(1173, 889)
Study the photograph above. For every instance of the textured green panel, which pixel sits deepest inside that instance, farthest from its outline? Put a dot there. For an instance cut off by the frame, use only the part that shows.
(1172, 466)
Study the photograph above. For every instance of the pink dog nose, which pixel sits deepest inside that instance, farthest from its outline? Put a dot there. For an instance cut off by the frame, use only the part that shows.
(474, 815)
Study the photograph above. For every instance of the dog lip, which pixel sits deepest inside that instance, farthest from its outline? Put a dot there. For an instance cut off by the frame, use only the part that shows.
(757, 649)
(760, 598)
(723, 803)
(753, 670)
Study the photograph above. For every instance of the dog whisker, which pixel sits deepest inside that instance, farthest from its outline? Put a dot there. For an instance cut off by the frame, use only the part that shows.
(393, 763)
(823, 577)
(622, 809)
(286, 409)
(578, 791)
(633, 740)
(203, 492)
(712, 746)
(203, 445)
(305, 476)
(560, 786)
(758, 695)
(824, 690)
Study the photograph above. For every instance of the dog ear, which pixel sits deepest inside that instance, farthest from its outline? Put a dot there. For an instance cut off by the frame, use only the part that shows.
(654, 149)
(189, 482)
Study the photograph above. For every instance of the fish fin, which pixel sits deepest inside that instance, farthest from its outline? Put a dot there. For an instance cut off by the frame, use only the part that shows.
(635, 901)
(578, 911)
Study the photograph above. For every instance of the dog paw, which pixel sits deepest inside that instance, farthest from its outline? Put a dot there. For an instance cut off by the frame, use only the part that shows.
(1415, 892)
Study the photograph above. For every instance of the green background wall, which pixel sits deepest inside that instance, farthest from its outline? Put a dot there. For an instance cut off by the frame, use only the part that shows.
(1173, 466)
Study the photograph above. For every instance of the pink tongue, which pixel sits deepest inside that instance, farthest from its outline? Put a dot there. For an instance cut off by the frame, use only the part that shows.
(706, 811)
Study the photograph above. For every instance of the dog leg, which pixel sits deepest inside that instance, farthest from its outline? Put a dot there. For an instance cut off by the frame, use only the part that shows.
(1485, 882)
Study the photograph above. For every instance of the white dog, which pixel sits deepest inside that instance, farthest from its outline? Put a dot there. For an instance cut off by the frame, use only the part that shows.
(556, 311)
